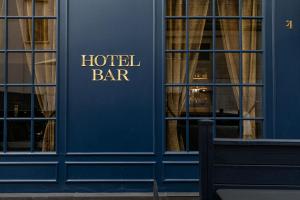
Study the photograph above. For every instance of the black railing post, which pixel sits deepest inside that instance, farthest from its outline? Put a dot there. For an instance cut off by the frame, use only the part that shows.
(205, 143)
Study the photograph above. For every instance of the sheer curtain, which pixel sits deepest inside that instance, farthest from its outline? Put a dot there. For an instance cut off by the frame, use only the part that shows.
(229, 29)
(45, 70)
(176, 72)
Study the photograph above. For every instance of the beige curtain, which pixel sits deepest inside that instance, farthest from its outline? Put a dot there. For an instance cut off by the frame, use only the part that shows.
(176, 72)
(249, 42)
(45, 65)
(230, 37)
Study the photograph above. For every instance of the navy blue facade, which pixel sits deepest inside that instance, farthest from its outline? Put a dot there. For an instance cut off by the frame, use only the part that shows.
(110, 135)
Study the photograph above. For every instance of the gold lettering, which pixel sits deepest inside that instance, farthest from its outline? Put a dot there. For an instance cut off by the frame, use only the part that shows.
(123, 60)
(289, 24)
(112, 60)
(110, 75)
(132, 62)
(104, 58)
(122, 73)
(97, 75)
(84, 60)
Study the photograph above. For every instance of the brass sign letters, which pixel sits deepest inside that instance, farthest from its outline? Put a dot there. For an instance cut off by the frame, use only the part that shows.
(289, 24)
(113, 61)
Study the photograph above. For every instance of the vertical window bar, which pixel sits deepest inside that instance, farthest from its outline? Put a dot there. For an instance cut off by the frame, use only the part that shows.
(241, 68)
(5, 78)
(214, 68)
(264, 66)
(32, 76)
(187, 96)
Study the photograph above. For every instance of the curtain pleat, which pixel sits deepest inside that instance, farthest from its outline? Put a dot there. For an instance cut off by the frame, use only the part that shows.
(176, 71)
(44, 71)
(229, 30)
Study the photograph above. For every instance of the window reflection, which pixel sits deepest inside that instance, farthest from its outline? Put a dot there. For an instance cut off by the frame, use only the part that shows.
(45, 68)
(227, 33)
(200, 34)
(200, 7)
(176, 134)
(227, 101)
(45, 102)
(45, 34)
(176, 7)
(19, 67)
(45, 7)
(175, 101)
(19, 102)
(18, 135)
(175, 68)
(20, 7)
(200, 66)
(252, 8)
(19, 36)
(175, 34)
(252, 34)
(44, 135)
(227, 68)
(200, 101)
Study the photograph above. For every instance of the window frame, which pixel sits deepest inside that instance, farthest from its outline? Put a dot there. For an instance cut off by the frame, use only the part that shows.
(264, 83)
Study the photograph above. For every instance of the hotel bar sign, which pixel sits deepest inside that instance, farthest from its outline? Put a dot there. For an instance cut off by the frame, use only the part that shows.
(111, 76)
(110, 67)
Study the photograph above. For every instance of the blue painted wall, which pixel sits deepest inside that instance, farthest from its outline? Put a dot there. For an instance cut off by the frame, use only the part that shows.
(110, 134)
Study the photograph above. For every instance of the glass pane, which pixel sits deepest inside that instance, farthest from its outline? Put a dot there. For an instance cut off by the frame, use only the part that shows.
(200, 34)
(1, 102)
(227, 128)
(200, 101)
(227, 34)
(176, 130)
(44, 134)
(176, 68)
(18, 135)
(45, 7)
(252, 34)
(45, 68)
(227, 101)
(19, 101)
(2, 69)
(45, 102)
(227, 8)
(200, 7)
(175, 101)
(175, 34)
(20, 7)
(252, 102)
(252, 68)
(2, 7)
(19, 67)
(1, 135)
(252, 129)
(228, 68)
(45, 33)
(201, 67)
(2, 33)
(20, 34)
(252, 8)
(176, 7)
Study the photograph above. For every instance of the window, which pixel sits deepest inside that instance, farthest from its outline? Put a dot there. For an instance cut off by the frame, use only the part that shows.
(213, 70)
(28, 81)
